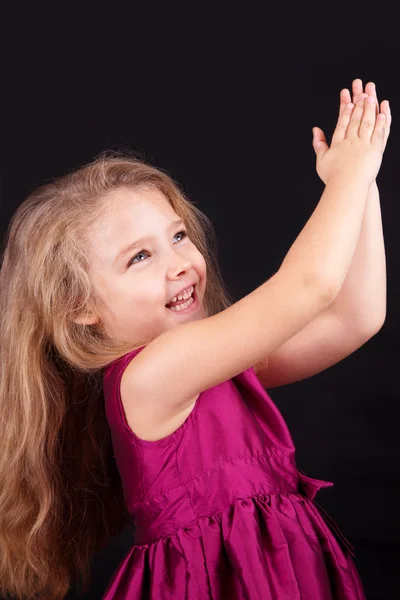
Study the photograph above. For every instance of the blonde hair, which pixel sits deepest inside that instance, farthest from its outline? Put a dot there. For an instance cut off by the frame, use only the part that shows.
(61, 497)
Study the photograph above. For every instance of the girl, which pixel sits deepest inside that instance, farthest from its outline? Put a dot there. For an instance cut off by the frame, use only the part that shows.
(128, 388)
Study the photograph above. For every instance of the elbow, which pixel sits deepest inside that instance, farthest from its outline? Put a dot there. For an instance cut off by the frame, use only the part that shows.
(375, 325)
(329, 292)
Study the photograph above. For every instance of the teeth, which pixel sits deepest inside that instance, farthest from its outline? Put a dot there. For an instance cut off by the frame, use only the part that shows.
(179, 307)
(186, 294)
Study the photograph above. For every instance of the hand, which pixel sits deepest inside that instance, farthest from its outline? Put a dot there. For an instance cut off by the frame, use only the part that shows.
(319, 140)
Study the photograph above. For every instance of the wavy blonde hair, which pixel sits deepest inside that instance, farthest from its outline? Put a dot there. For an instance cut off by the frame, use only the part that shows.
(61, 497)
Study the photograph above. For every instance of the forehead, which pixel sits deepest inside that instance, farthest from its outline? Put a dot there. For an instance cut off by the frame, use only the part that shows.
(130, 214)
(138, 203)
(131, 211)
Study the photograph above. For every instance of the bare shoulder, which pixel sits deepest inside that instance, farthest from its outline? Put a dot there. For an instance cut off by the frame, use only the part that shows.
(151, 421)
(161, 384)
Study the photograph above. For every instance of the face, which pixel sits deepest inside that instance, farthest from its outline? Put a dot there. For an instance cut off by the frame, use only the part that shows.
(137, 285)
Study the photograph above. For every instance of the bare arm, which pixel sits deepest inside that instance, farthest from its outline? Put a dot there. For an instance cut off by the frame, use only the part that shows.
(195, 356)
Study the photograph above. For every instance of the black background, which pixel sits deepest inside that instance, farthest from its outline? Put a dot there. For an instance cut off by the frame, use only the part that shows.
(225, 99)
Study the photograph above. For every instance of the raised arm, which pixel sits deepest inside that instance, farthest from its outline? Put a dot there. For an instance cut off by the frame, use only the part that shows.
(182, 362)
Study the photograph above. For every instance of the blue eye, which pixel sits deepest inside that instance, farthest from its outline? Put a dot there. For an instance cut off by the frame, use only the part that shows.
(133, 260)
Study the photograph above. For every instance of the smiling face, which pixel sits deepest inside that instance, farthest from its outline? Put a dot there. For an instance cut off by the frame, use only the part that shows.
(136, 285)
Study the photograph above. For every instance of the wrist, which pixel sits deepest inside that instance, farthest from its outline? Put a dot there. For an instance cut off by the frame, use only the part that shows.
(346, 180)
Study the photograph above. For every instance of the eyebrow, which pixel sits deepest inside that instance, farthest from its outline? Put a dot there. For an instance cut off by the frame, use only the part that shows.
(122, 253)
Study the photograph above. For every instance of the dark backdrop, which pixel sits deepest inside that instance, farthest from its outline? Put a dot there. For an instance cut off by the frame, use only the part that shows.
(226, 102)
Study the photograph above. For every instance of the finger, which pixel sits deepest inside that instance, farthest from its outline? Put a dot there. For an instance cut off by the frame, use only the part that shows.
(319, 140)
(370, 89)
(357, 87)
(367, 124)
(385, 109)
(356, 117)
(345, 99)
(343, 122)
(378, 134)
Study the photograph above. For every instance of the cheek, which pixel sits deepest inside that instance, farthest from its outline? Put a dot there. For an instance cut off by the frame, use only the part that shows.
(149, 297)
(202, 267)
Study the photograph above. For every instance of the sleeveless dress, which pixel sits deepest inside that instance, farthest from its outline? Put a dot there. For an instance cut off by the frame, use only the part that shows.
(220, 509)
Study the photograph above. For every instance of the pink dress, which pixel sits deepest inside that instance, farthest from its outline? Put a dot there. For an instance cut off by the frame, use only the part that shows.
(219, 507)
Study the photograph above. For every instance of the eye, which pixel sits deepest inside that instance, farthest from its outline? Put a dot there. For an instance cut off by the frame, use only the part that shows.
(133, 260)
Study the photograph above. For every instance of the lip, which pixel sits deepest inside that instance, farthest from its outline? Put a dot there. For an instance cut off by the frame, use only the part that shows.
(185, 288)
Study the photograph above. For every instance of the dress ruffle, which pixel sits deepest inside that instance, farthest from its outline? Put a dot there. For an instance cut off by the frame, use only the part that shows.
(266, 547)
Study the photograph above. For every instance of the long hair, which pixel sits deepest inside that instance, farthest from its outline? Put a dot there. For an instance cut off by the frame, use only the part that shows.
(61, 496)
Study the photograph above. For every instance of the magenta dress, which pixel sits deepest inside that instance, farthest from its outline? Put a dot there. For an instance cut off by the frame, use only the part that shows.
(220, 509)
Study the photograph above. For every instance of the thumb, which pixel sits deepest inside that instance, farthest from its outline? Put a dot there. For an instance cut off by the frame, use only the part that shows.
(319, 141)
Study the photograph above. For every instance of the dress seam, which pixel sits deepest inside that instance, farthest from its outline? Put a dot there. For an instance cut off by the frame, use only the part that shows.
(204, 472)
(182, 484)
(219, 513)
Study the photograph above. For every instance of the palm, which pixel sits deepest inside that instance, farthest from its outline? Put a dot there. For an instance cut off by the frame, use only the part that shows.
(345, 98)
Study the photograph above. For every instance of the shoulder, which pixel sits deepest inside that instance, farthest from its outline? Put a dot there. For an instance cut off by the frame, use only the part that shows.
(149, 417)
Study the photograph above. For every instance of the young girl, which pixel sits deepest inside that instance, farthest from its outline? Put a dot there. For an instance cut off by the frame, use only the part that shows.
(129, 388)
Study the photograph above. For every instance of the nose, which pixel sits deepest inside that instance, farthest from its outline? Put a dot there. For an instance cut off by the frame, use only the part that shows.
(181, 265)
